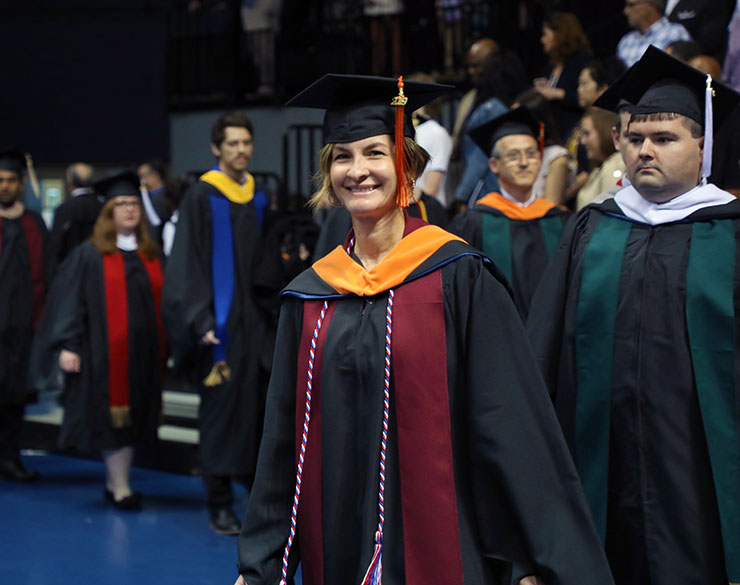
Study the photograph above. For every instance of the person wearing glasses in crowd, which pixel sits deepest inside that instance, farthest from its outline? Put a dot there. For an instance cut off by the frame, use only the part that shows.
(514, 227)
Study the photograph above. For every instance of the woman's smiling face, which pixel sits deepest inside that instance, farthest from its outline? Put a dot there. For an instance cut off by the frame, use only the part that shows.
(363, 176)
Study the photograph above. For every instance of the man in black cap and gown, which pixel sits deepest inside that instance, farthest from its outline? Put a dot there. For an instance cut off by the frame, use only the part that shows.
(635, 327)
(23, 283)
(516, 229)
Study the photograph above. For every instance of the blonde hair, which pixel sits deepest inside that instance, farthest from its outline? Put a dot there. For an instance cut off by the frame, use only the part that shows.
(104, 234)
(325, 197)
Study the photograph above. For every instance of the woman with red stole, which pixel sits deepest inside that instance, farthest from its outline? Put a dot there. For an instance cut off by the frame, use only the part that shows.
(103, 329)
(408, 438)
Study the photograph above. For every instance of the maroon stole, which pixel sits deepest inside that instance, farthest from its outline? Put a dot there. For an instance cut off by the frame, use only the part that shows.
(116, 307)
(35, 244)
(421, 399)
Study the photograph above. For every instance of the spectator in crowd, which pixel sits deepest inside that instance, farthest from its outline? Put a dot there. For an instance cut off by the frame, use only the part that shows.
(104, 329)
(24, 269)
(607, 166)
(705, 20)
(453, 491)
(514, 227)
(650, 27)
(731, 67)
(683, 50)
(385, 34)
(478, 53)
(159, 186)
(212, 321)
(502, 79)
(555, 171)
(568, 50)
(74, 219)
(635, 330)
(433, 138)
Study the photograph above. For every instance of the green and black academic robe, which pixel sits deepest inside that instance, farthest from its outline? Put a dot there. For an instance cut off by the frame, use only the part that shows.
(24, 267)
(479, 486)
(519, 240)
(231, 407)
(635, 328)
(106, 310)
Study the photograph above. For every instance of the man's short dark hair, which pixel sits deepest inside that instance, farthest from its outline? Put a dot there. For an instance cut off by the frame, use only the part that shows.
(230, 119)
(684, 50)
(692, 126)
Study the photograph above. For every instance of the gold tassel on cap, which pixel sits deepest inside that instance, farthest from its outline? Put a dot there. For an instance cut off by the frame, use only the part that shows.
(120, 416)
(404, 188)
(220, 373)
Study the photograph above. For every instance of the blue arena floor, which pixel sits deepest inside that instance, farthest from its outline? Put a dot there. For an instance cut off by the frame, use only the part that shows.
(60, 530)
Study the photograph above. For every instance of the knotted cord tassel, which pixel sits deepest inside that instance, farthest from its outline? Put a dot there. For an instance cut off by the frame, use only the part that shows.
(374, 575)
(220, 373)
(706, 159)
(404, 188)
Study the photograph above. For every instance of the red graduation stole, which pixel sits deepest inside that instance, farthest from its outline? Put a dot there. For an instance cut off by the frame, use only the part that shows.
(116, 307)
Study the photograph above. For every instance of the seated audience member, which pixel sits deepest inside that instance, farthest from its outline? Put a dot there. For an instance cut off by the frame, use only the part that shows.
(650, 27)
(515, 228)
(606, 162)
(432, 136)
(502, 79)
(706, 21)
(555, 171)
(568, 50)
(731, 66)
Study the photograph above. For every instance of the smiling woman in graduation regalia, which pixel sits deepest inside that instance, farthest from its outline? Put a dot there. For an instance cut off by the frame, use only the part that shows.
(105, 331)
(407, 436)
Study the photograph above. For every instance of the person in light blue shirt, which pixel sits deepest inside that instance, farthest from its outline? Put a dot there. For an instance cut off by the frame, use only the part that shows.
(650, 28)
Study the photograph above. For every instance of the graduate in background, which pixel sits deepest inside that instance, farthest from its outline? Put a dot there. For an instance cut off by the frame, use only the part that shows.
(104, 330)
(403, 386)
(24, 269)
(635, 328)
(516, 229)
(213, 324)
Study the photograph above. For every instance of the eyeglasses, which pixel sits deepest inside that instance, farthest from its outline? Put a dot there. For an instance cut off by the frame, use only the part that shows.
(129, 204)
(512, 157)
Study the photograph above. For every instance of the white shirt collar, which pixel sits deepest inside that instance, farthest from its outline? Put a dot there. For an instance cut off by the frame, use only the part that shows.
(81, 191)
(511, 198)
(636, 207)
(126, 243)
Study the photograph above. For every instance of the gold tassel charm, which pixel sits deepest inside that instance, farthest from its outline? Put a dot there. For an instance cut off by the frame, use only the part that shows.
(220, 373)
(120, 416)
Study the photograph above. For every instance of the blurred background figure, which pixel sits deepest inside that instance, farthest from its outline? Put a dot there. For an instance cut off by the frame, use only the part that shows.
(607, 166)
(74, 219)
(385, 35)
(568, 50)
(104, 330)
(649, 27)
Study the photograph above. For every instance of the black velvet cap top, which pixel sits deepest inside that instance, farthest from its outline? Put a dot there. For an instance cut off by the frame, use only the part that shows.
(12, 159)
(125, 183)
(659, 83)
(359, 106)
(517, 121)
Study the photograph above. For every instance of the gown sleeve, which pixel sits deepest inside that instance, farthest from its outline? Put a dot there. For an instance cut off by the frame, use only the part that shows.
(527, 499)
(187, 296)
(61, 324)
(267, 523)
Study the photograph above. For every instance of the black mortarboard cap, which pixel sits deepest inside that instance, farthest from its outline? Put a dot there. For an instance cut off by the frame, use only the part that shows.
(612, 99)
(516, 121)
(659, 83)
(359, 106)
(12, 159)
(125, 183)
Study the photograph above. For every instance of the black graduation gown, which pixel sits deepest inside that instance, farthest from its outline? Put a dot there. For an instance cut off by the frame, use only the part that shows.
(434, 212)
(523, 255)
(659, 505)
(231, 413)
(24, 269)
(76, 320)
(516, 498)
